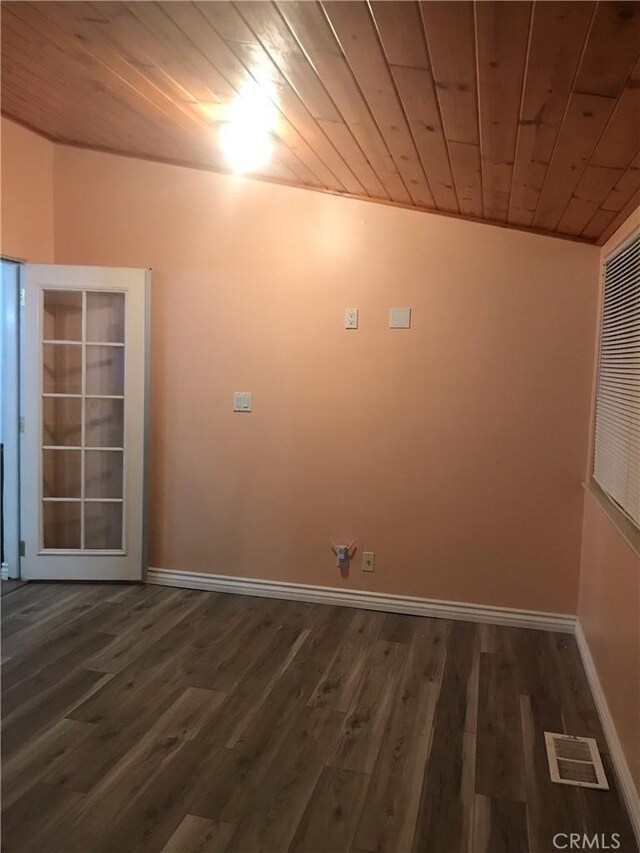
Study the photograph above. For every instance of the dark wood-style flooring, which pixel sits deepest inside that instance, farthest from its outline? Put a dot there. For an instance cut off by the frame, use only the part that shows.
(146, 718)
(10, 585)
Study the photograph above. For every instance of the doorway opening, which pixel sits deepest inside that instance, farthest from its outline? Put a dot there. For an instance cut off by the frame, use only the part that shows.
(10, 422)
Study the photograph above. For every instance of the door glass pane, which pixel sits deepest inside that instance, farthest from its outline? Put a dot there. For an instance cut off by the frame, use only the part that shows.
(62, 369)
(103, 525)
(105, 370)
(104, 423)
(103, 473)
(62, 421)
(61, 475)
(105, 317)
(82, 490)
(61, 524)
(62, 315)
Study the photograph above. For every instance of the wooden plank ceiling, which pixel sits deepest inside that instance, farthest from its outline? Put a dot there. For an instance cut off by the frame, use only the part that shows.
(521, 113)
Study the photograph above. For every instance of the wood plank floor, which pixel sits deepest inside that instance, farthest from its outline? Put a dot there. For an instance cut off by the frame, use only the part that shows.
(10, 585)
(154, 719)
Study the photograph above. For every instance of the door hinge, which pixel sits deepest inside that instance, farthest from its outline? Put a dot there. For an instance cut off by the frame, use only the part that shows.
(23, 297)
(21, 424)
(22, 548)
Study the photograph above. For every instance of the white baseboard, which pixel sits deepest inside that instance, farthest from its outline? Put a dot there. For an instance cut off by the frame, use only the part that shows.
(367, 600)
(4, 572)
(627, 786)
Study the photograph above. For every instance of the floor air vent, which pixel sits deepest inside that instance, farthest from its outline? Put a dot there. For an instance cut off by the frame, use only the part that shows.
(575, 761)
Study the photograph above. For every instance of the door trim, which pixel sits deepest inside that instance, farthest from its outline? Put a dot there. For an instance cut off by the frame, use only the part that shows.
(146, 419)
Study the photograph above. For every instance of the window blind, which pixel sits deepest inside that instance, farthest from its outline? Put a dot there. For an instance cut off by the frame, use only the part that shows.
(617, 437)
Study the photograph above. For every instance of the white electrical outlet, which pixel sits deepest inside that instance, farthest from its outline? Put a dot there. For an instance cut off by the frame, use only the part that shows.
(368, 561)
(351, 318)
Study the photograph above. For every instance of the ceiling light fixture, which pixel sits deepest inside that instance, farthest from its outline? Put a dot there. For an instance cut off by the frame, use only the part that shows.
(246, 136)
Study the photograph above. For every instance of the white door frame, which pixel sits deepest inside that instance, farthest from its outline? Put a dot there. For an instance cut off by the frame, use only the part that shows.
(71, 565)
(10, 406)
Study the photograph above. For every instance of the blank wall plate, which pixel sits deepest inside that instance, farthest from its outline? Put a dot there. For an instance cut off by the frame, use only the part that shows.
(400, 318)
(241, 401)
(351, 318)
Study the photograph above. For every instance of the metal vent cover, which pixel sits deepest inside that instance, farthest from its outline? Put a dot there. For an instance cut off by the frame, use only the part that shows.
(575, 761)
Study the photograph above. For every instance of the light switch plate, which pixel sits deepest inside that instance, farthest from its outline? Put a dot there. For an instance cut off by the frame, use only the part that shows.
(400, 318)
(368, 561)
(242, 401)
(351, 318)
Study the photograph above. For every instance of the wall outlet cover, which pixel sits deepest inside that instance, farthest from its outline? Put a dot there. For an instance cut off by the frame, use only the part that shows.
(351, 318)
(368, 561)
(242, 401)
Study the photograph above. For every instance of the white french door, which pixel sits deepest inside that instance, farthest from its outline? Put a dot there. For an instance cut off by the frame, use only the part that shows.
(84, 390)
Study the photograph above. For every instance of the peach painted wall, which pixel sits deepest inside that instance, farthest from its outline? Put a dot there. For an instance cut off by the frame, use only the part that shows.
(455, 450)
(26, 213)
(609, 602)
